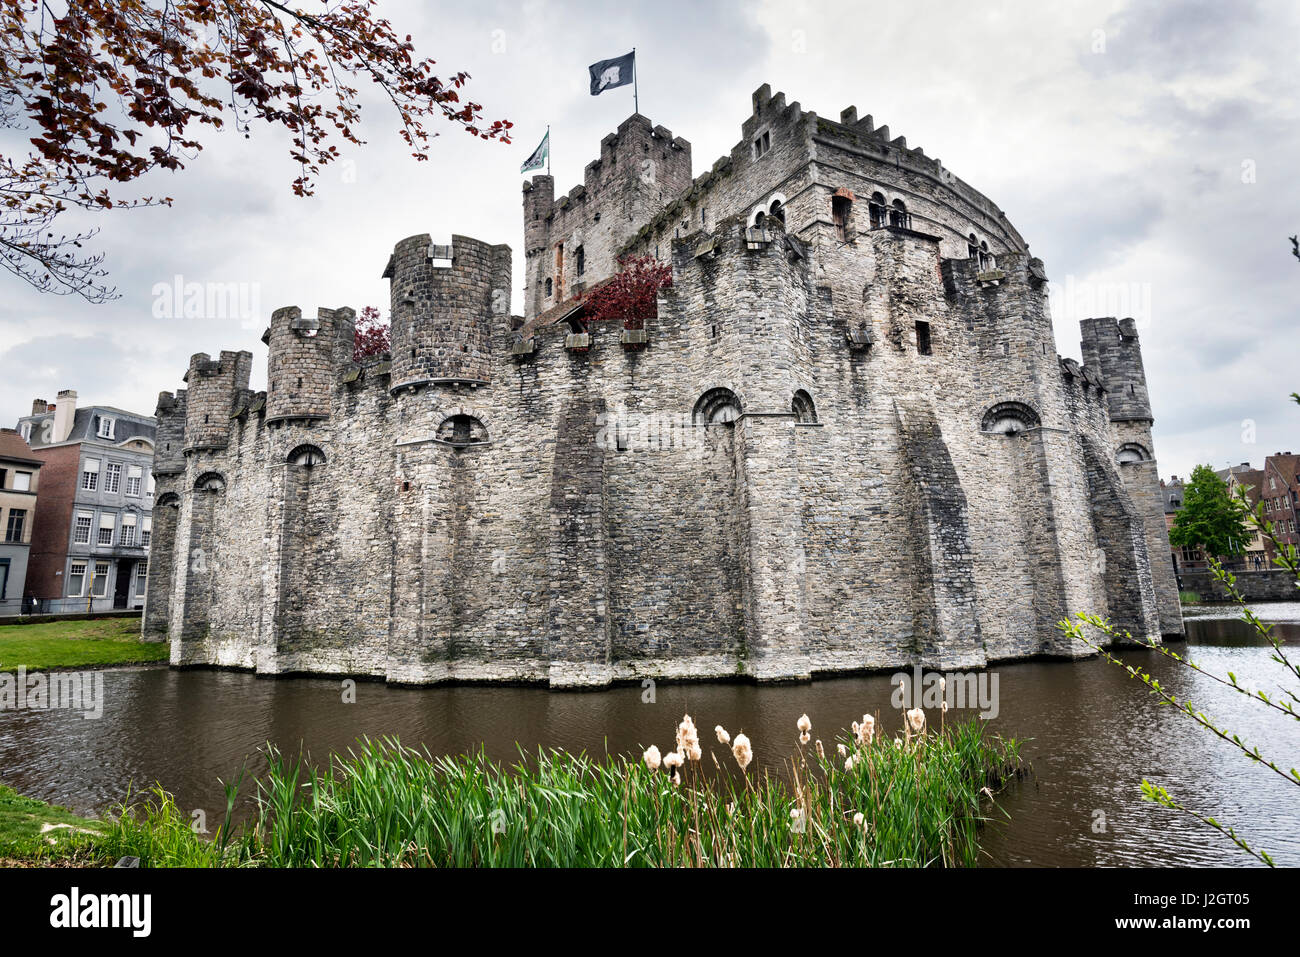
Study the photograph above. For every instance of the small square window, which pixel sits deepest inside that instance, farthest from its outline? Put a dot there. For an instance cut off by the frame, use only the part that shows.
(923, 338)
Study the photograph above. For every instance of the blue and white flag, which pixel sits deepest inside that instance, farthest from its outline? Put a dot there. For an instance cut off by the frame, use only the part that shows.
(608, 74)
(540, 155)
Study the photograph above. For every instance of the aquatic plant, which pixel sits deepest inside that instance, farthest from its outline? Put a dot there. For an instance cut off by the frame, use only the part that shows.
(384, 804)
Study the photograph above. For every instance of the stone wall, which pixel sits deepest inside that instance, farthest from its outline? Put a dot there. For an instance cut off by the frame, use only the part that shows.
(832, 454)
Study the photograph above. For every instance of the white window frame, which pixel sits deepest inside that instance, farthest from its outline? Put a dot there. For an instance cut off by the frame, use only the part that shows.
(22, 481)
(89, 476)
(107, 427)
(27, 431)
(107, 523)
(113, 478)
(101, 580)
(77, 527)
(146, 530)
(128, 535)
(73, 573)
(141, 577)
(133, 482)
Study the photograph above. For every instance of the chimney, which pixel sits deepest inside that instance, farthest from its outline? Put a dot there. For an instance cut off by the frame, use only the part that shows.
(40, 407)
(65, 410)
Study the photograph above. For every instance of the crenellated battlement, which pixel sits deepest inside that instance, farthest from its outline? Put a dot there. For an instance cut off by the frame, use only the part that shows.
(304, 357)
(1111, 348)
(214, 385)
(446, 303)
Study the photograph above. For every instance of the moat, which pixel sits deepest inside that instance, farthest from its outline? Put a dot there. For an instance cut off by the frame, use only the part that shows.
(1095, 733)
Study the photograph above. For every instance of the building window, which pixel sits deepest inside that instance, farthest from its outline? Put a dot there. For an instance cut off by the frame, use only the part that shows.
(81, 531)
(898, 215)
(99, 586)
(76, 578)
(106, 427)
(105, 531)
(923, 338)
(762, 144)
(777, 211)
(876, 209)
(581, 254)
(803, 407)
(141, 577)
(841, 212)
(22, 481)
(27, 431)
(14, 530)
(972, 247)
(146, 530)
(717, 407)
(113, 477)
(1009, 418)
(90, 475)
(128, 531)
(548, 288)
(134, 475)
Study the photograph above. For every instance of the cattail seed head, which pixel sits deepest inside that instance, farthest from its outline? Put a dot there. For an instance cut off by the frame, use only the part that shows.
(652, 758)
(742, 751)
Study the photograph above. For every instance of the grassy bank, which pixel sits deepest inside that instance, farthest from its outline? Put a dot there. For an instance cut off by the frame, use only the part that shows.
(916, 802)
(77, 644)
(34, 833)
(1189, 598)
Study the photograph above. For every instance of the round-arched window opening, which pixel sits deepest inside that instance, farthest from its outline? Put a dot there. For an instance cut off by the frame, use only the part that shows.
(803, 408)
(777, 211)
(1132, 452)
(306, 455)
(717, 407)
(462, 430)
(210, 482)
(1009, 418)
(168, 499)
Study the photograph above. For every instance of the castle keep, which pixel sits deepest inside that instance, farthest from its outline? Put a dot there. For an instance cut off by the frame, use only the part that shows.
(846, 441)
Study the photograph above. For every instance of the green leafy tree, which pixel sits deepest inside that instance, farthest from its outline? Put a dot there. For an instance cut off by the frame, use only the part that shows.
(1210, 518)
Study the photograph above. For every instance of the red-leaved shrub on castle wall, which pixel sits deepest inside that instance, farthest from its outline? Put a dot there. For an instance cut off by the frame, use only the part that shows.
(373, 335)
(630, 295)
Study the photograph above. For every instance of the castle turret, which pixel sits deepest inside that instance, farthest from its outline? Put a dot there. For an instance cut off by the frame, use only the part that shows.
(305, 354)
(213, 386)
(169, 454)
(443, 314)
(539, 198)
(1111, 348)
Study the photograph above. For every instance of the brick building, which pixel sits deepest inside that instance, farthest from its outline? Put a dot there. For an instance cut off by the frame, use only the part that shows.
(845, 440)
(93, 522)
(1280, 491)
(19, 485)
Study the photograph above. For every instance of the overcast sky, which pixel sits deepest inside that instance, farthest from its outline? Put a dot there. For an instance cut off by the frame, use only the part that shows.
(1147, 151)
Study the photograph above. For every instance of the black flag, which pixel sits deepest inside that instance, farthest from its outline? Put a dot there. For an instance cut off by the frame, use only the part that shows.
(608, 74)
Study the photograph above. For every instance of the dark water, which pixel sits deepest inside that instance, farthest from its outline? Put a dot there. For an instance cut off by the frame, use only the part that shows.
(1095, 733)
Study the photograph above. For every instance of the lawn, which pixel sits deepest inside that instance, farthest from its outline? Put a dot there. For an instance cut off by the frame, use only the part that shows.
(77, 644)
(34, 833)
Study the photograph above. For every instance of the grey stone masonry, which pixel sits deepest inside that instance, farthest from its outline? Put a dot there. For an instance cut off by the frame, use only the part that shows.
(845, 441)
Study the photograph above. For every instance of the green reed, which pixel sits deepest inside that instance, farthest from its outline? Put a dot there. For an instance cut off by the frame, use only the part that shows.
(921, 802)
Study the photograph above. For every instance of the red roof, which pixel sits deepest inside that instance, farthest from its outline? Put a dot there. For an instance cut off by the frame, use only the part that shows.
(14, 446)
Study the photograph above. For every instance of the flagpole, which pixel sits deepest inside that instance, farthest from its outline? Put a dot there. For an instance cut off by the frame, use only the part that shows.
(636, 99)
(548, 149)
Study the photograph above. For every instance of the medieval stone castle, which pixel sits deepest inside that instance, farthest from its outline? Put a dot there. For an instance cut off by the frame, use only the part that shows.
(846, 441)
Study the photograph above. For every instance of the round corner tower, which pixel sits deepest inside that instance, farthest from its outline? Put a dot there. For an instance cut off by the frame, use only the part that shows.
(213, 386)
(443, 301)
(304, 354)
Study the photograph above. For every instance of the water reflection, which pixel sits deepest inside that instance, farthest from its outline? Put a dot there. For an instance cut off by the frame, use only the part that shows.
(1093, 733)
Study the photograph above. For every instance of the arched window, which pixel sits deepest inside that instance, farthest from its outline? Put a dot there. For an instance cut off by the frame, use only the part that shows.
(306, 455)
(168, 499)
(1131, 452)
(462, 430)
(717, 407)
(777, 211)
(759, 219)
(1009, 418)
(548, 288)
(582, 260)
(876, 207)
(972, 247)
(986, 260)
(210, 482)
(898, 215)
(803, 407)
